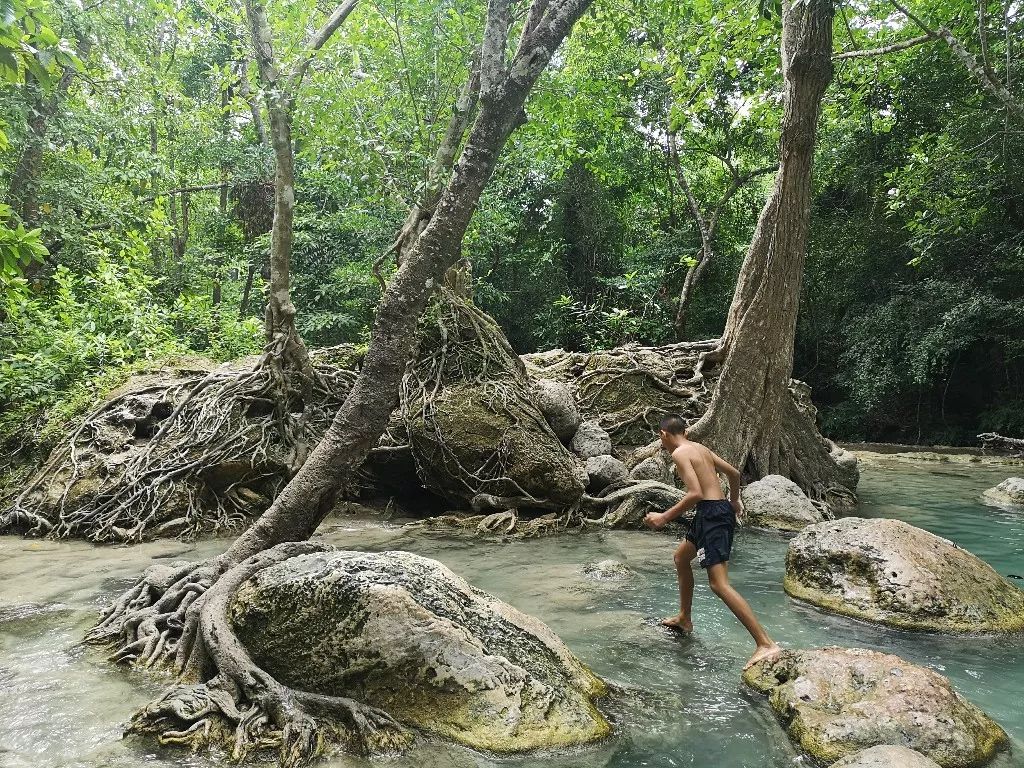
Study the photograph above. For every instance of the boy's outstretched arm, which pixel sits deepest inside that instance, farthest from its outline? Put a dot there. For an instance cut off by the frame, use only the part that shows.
(733, 476)
(693, 495)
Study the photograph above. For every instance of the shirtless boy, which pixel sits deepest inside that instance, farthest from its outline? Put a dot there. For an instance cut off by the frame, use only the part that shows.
(710, 537)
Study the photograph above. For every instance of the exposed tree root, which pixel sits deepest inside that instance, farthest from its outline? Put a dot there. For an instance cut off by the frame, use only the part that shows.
(178, 617)
(198, 453)
(629, 389)
(470, 416)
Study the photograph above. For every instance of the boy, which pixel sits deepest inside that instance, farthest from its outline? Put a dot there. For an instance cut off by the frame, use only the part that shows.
(710, 537)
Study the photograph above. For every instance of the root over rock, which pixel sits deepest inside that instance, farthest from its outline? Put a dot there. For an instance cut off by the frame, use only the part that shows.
(304, 650)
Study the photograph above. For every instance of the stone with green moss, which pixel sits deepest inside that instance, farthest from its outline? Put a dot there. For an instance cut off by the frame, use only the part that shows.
(404, 634)
(835, 702)
(892, 573)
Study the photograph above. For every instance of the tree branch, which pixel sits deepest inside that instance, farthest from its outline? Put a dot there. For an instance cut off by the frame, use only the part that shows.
(883, 50)
(317, 42)
(492, 51)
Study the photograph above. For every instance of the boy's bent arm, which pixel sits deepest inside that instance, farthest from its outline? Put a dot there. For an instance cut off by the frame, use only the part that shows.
(731, 473)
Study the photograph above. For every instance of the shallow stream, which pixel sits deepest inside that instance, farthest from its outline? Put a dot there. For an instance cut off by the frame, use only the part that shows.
(62, 705)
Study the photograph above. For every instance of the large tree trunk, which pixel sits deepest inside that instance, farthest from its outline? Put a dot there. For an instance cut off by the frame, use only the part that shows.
(752, 420)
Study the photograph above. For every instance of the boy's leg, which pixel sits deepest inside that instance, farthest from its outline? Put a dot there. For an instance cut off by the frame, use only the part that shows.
(718, 578)
(683, 556)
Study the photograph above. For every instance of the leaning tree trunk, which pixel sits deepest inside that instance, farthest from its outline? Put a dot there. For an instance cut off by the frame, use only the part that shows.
(177, 616)
(752, 421)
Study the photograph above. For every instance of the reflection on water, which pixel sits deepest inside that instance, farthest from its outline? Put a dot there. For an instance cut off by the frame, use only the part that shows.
(682, 702)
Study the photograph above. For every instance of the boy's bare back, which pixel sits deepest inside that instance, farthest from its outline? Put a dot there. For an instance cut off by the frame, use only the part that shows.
(698, 468)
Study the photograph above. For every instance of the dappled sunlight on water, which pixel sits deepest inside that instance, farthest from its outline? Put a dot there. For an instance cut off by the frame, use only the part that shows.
(681, 704)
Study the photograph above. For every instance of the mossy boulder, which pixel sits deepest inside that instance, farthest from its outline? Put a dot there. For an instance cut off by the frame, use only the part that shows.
(836, 701)
(1009, 492)
(886, 756)
(468, 446)
(777, 502)
(404, 634)
(892, 573)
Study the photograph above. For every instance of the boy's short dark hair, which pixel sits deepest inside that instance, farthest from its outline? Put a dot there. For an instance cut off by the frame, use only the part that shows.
(673, 423)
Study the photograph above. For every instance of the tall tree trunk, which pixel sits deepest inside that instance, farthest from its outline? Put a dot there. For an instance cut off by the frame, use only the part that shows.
(752, 420)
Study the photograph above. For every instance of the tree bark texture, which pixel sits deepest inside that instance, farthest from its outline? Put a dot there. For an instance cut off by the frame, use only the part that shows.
(749, 420)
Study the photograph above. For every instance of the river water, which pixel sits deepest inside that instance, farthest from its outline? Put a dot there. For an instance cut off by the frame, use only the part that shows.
(62, 704)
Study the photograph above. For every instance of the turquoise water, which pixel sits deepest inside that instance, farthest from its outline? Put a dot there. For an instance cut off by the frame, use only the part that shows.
(683, 702)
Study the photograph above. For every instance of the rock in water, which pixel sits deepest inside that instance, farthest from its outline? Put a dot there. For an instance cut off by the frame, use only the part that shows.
(406, 635)
(893, 573)
(1010, 491)
(603, 471)
(886, 756)
(777, 502)
(591, 440)
(836, 701)
(607, 570)
(558, 406)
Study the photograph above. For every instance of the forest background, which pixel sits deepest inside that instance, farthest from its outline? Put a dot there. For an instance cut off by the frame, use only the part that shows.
(136, 177)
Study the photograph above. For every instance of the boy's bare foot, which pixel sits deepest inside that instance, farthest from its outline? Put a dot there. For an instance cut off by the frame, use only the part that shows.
(763, 652)
(678, 622)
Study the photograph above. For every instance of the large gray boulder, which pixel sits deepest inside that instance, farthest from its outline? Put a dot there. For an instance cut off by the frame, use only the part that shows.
(777, 502)
(591, 440)
(1010, 491)
(892, 573)
(406, 635)
(886, 756)
(603, 471)
(835, 702)
(556, 402)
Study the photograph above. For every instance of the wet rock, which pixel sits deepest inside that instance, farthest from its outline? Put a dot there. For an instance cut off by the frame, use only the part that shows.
(893, 573)
(630, 505)
(886, 756)
(404, 634)
(777, 502)
(836, 701)
(1010, 491)
(603, 471)
(467, 447)
(556, 402)
(607, 570)
(591, 440)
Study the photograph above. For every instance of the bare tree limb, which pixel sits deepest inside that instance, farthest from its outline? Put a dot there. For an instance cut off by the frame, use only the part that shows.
(883, 50)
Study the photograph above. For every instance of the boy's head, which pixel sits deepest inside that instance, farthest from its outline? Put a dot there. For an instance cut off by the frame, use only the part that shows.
(671, 428)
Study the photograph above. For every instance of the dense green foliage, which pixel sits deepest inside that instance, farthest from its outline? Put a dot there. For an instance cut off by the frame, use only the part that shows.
(153, 197)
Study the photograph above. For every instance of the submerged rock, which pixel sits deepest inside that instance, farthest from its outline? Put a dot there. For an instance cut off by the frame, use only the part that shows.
(556, 402)
(406, 635)
(777, 502)
(590, 440)
(603, 471)
(886, 756)
(893, 573)
(607, 570)
(836, 701)
(1010, 491)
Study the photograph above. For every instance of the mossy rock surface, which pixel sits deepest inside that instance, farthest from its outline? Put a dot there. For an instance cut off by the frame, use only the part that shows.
(472, 444)
(1010, 492)
(886, 756)
(835, 702)
(403, 633)
(892, 573)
